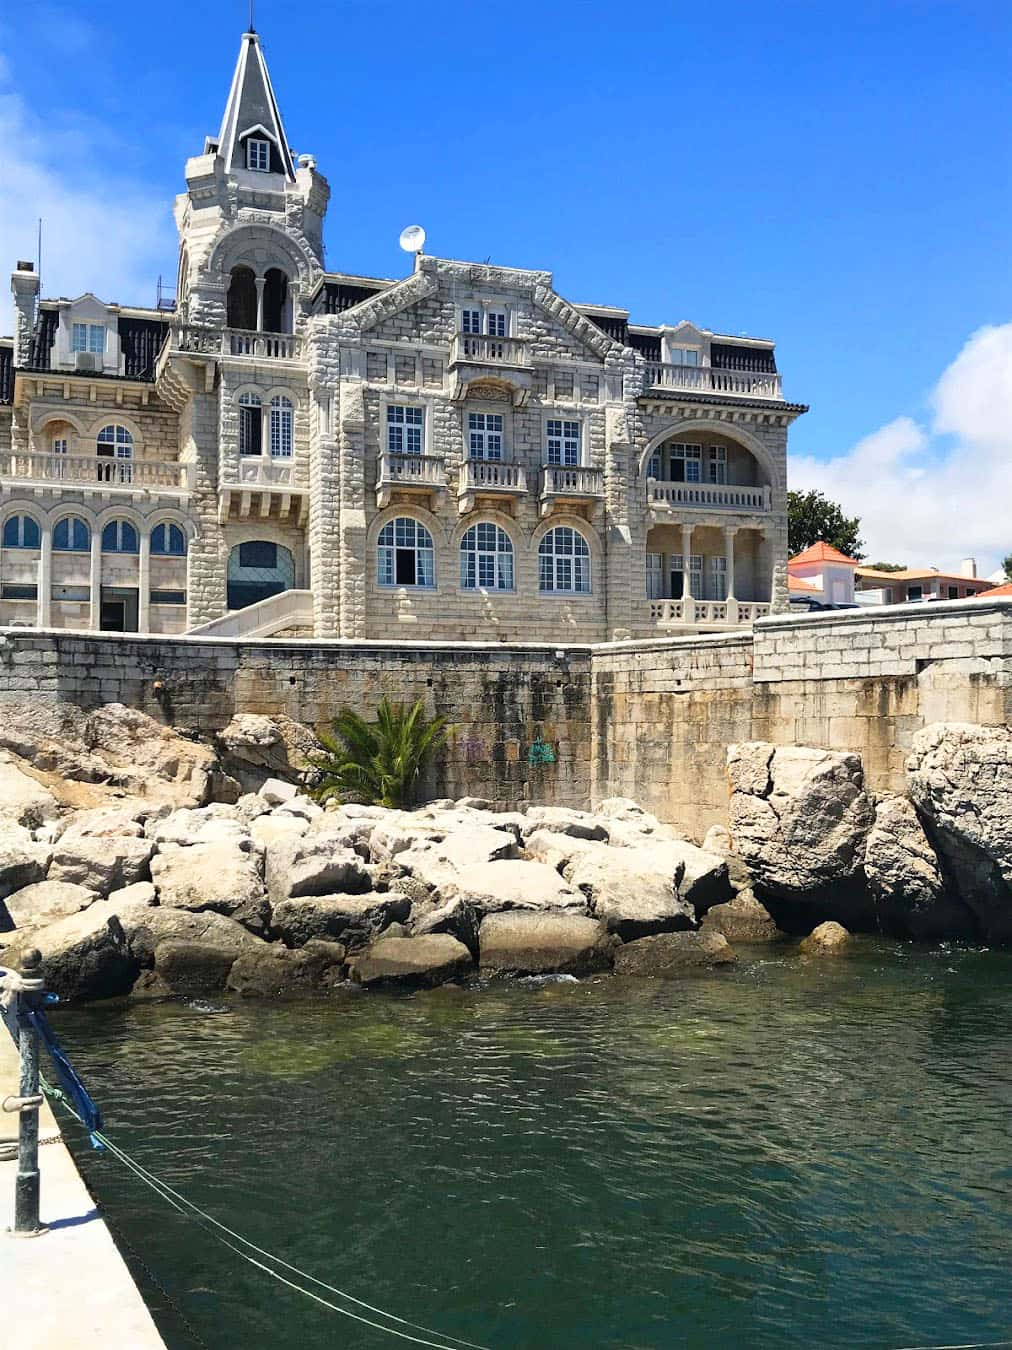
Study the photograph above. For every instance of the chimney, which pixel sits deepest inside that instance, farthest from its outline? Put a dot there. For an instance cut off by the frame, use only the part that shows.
(968, 568)
(25, 287)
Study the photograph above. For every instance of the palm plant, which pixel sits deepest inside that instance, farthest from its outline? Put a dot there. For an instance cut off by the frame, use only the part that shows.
(377, 763)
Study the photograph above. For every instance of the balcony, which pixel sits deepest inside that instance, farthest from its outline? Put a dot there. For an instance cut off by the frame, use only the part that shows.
(663, 497)
(422, 474)
(708, 379)
(716, 614)
(489, 351)
(489, 478)
(197, 340)
(263, 489)
(571, 485)
(99, 473)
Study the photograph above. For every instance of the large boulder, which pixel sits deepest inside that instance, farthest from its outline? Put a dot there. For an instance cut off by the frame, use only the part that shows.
(102, 864)
(106, 822)
(454, 916)
(313, 864)
(560, 850)
(800, 818)
(277, 972)
(669, 954)
(828, 939)
(23, 799)
(742, 919)
(351, 919)
(254, 748)
(219, 877)
(425, 960)
(904, 876)
(22, 861)
(218, 823)
(440, 858)
(514, 884)
(84, 956)
(193, 967)
(543, 943)
(633, 892)
(141, 752)
(146, 926)
(45, 902)
(960, 778)
(579, 824)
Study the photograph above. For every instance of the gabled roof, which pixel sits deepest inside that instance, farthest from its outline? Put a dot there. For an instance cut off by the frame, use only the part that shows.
(252, 106)
(1004, 589)
(821, 552)
(918, 574)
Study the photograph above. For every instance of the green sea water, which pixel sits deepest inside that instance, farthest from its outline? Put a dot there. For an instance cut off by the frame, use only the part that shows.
(788, 1153)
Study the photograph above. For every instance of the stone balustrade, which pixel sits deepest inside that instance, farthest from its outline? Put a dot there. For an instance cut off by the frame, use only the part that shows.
(426, 473)
(708, 496)
(737, 383)
(95, 471)
(489, 351)
(711, 613)
(200, 340)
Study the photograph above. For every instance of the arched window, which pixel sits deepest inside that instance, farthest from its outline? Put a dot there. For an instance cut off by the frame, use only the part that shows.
(117, 444)
(251, 424)
(486, 558)
(168, 541)
(405, 554)
(241, 304)
(22, 532)
(119, 536)
(276, 308)
(71, 535)
(281, 427)
(564, 562)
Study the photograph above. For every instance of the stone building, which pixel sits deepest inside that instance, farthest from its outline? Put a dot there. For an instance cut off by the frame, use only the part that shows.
(462, 453)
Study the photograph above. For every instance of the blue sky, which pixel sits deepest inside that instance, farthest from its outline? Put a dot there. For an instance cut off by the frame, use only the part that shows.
(836, 177)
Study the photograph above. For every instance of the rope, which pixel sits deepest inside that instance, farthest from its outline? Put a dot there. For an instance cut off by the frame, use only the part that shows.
(193, 1212)
(971, 1345)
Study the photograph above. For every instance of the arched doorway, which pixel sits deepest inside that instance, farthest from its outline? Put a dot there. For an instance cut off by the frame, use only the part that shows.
(241, 307)
(257, 569)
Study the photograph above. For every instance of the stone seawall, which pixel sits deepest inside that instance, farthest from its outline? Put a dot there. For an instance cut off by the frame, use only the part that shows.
(571, 725)
(520, 714)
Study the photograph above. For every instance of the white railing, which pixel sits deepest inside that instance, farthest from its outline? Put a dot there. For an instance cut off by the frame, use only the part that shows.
(696, 613)
(205, 341)
(287, 609)
(265, 472)
(495, 351)
(740, 383)
(95, 470)
(411, 470)
(708, 496)
(490, 475)
(560, 480)
(261, 346)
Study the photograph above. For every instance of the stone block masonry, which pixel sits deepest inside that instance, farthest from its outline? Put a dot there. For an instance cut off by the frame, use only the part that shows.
(571, 725)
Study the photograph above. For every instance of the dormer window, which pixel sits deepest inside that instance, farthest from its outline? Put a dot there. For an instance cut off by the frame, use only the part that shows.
(684, 356)
(258, 155)
(88, 337)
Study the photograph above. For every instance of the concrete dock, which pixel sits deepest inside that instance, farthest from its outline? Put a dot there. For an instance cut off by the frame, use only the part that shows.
(68, 1287)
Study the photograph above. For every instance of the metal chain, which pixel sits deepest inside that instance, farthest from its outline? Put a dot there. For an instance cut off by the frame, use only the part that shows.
(121, 1241)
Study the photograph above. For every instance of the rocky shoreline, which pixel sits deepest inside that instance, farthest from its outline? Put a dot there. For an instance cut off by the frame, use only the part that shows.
(145, 863)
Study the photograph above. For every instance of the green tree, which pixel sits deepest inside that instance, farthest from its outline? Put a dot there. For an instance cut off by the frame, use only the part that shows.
(377, 763)
(1007, 564)
(888, 567)
(812, 518)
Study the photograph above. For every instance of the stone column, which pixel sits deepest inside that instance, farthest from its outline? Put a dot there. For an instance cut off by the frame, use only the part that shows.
(686, 555)
(729, 596)
(95, 579)
(45, 580)
(144, 583)
(260, 283)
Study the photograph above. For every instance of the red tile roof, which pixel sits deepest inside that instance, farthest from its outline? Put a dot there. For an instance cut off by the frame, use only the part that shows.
(804, 587)
(1005, 589)
(821, 552)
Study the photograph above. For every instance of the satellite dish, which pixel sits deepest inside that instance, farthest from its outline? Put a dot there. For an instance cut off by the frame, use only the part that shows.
(412, 239)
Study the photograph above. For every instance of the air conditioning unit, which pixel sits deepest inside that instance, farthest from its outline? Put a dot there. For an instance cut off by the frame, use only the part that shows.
(87, 361)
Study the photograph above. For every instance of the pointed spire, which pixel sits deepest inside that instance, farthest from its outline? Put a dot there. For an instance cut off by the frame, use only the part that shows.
(252, 111)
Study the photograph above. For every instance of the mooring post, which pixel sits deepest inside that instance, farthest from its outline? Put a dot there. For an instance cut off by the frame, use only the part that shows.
(26, 1187)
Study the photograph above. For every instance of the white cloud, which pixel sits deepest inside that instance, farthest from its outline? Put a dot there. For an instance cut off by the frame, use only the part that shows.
(932, 494)
(101, 231)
